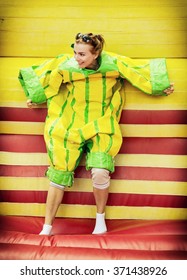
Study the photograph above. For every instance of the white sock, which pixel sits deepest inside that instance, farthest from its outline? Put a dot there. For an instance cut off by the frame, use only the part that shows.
(46, 230)
(100, 226)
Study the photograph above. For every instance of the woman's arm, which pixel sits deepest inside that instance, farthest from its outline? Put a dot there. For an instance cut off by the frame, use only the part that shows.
(42, 81)
(150, 76)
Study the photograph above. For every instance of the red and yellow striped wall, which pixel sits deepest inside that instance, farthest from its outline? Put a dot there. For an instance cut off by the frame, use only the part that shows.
(150, 181)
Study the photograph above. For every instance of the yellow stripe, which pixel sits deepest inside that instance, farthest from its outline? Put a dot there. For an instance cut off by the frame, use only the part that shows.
(142, 160)
(24, 183)
(13, 104)
(46, 23)
(128, 18)
(30, 128)
(14, 97)
(34, 159)
(67, 3)
(159, 9)
(88, 211)
(12, 94)
(37, 128)
(154, 130)
(155, 107)
(85, 185)
(132, 106)
(18, 104)
(139, 160)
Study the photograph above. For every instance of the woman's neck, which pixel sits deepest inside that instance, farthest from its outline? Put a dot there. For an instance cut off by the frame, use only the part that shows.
(94, 65)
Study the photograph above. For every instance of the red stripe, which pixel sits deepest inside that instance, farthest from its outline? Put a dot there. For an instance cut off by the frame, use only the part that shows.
(150, 173)
(23, 114)
(127, 117)
(166, 146)
(86, 198)
(23, 143)
(121, 173)
(131, 145)
(154, 117)
(23, 171)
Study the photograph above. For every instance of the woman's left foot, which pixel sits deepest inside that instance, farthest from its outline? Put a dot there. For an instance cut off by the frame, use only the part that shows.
(100, 225)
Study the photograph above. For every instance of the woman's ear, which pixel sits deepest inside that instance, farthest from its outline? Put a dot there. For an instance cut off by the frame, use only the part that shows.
(96, 55)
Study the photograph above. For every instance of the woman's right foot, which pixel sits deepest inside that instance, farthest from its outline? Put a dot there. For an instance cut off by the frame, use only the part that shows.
(46, 230)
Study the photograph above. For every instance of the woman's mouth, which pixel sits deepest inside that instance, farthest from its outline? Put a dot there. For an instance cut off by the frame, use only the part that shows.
(80, 64)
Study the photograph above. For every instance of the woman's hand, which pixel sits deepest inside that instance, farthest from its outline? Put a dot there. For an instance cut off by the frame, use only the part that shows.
(170, 89)
(30, 104)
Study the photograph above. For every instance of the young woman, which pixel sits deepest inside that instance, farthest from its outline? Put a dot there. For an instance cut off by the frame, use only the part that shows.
(85, 98)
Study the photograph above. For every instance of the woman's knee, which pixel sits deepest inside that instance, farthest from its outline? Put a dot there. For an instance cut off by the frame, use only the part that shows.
(100, 178)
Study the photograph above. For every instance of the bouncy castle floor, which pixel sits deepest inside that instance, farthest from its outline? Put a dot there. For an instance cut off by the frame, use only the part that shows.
(71, 239)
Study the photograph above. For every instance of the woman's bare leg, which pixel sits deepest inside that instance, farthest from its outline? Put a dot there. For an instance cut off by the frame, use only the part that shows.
(54, 199)
(101, 181)
(101, 197)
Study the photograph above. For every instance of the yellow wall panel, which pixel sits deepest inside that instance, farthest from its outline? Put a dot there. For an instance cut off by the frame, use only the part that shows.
(134, 28)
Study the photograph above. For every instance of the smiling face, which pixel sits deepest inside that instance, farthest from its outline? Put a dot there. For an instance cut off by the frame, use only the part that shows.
(84, 56)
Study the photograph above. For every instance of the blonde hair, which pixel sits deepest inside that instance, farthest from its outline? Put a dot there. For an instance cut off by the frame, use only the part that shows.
(96, 41)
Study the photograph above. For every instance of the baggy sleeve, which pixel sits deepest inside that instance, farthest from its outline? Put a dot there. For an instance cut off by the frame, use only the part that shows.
(41, 82)
(150, 76)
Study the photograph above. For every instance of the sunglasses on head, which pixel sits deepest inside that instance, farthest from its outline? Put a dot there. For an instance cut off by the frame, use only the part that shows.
(84, 37)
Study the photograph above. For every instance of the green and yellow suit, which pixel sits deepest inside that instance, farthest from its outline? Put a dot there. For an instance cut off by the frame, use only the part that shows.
(84, 107)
